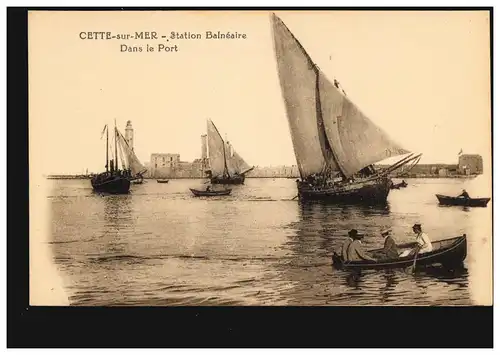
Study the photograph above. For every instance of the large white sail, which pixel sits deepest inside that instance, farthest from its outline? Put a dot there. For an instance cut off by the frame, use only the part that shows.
(355, 140)
(328, 130)
(298, 79)
(133, 162)
(216, 150)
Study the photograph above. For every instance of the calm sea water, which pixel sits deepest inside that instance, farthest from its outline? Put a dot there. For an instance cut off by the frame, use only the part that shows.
(159, 245)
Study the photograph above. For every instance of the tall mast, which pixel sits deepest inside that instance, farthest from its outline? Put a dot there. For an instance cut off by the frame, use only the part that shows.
(107, 149)
(116, 147)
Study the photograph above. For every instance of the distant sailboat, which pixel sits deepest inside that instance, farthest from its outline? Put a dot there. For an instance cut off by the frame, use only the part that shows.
(335, 144)
(113, 180)
(226, 165)
(136, 168)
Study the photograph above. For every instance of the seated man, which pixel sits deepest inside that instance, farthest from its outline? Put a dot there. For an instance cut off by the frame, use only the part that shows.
(390, 247)
(464, 194)
(354, 250)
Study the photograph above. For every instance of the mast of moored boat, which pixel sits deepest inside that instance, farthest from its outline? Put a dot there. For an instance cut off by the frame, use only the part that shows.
(107, 149)
(226, 170)
(116, 148)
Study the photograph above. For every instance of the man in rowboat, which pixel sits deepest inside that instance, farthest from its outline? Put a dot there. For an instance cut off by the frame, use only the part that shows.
(390, 247)
(354, 251)
(464, 194)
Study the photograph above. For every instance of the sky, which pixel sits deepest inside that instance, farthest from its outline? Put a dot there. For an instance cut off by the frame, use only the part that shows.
(421, 76)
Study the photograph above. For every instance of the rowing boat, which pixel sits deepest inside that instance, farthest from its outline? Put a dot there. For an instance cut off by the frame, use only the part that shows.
(462, 201)
(450, 253)
(210, 193)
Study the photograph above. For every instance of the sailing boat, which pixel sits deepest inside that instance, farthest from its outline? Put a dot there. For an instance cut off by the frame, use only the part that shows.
(226, 166)
(335, 144)
(136, 168)
(113, 180)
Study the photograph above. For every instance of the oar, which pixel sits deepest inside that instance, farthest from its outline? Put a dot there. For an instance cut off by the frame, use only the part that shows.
(415, 261)
(294, 198)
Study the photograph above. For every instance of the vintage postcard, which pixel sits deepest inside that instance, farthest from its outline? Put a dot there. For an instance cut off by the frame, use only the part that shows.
(260, 158)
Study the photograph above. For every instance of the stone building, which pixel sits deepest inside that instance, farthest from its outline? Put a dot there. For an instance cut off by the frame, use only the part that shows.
(470, 164)
(170, 166)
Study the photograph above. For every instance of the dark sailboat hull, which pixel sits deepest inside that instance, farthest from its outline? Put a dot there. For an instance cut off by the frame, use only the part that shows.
(235, 180)
(450, 253)
(372, 191)
(111, 185)
(466, 202)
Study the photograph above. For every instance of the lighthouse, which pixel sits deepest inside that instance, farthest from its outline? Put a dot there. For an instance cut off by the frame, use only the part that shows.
(129, 135)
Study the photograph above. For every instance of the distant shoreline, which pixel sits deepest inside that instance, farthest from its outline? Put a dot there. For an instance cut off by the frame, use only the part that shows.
(419, 176)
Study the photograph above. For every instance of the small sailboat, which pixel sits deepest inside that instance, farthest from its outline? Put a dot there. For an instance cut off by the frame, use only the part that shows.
(227, 167)
(335, 144)
(113, 180)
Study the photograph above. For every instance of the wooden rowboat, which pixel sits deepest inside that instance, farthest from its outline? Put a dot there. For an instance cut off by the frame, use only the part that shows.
(162, 181)
(211, 193)
(461, 201)
(400, 185)
(450, 253)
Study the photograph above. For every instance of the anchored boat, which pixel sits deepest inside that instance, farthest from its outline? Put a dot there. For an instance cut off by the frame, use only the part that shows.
(335, 144)
(113, 180)
(227, 167)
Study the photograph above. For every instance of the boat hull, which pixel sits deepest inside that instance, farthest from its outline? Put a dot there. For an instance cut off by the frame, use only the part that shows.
(372, 191)
(466, 202)
(162, 181)
(199, 193)
(450, 253)
(235, 180)
(111, 185)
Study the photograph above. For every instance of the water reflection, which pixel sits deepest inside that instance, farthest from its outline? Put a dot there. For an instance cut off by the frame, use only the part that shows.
(322, 228)
(117, 227)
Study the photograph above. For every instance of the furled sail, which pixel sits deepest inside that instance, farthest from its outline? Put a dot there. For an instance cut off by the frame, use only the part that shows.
(299, 86)
(216, 150)
(355, 140)
(133, 162)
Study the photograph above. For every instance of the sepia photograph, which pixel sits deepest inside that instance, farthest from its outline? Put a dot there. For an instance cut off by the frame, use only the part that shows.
(260, 158)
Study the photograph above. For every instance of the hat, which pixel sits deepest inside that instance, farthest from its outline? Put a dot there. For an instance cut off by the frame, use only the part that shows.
(417, 225)
(385, 230)
(353, 233)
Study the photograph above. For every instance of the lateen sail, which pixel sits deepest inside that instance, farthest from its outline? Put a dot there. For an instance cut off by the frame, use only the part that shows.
(298, 79)
(133, 162)
(235, 163)
(355, 140)
(215, 150)
(240, 164)
(328, 130)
